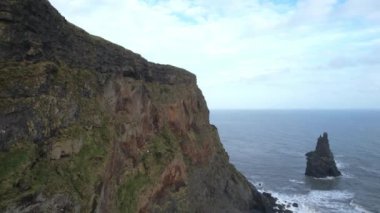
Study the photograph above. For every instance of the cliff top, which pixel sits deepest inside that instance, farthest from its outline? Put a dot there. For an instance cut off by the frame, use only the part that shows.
(33, 31)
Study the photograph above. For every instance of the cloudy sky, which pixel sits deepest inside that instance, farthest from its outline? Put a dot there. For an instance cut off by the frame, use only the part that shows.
(252, 54)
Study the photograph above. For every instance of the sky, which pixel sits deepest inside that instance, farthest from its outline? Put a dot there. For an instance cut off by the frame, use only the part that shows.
(252, 54)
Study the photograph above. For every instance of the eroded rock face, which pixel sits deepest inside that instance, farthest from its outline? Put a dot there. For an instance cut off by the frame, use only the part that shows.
(321, 163)
(88, 126)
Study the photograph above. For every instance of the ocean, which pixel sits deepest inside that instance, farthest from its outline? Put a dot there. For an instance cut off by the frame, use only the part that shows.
(269, 146)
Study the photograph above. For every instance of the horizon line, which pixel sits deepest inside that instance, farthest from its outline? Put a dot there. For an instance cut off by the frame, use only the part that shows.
(305, 109)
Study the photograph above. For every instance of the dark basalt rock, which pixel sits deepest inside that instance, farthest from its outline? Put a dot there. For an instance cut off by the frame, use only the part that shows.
(321, 163)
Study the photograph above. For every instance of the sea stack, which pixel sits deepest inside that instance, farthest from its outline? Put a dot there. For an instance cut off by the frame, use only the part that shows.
(321, 163)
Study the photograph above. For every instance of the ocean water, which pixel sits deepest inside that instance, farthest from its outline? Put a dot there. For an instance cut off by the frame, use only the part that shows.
(269, 148)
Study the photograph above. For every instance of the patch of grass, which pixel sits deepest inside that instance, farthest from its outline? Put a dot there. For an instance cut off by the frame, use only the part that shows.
(13, 164)
(54, 93)
(128, 193)
(17, 158)
(76, 175)
(22, 79)
(161, 150)
(81, 172)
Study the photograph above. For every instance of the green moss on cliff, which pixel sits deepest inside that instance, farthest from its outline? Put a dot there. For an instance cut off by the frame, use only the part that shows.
(163, 147)
(63, 113)
(16, 159)
(13, 164)
(160, 150)
(21, 78)
(128, 193)
(76, 175)
(162, 93)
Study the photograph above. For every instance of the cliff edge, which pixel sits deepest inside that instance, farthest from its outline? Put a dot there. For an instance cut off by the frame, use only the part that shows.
(88, 126)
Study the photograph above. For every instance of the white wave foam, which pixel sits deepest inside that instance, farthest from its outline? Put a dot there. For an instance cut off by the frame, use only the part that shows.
(296, 181)
(341, 165)
(325, 178)
(347, 175)
(358, 207)
(321, 201)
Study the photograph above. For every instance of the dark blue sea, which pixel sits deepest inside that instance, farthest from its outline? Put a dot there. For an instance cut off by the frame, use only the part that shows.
(269, 148)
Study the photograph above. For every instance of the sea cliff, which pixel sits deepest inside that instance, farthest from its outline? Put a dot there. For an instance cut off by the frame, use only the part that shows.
(88, 126)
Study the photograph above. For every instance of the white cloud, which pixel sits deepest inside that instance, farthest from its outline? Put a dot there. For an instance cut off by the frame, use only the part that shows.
(368, 9)
(232, 44)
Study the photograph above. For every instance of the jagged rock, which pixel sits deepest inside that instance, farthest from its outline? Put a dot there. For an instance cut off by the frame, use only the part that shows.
(321, 163)
(88, 126)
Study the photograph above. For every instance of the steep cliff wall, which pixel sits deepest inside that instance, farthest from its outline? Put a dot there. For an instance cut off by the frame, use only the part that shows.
(88, 126)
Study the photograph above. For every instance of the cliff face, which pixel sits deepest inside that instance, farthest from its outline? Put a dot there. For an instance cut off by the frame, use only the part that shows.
(88, 126)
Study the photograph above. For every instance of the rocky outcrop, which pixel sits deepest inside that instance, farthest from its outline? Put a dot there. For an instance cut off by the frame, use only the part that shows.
(321, 163)
(88, 126)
